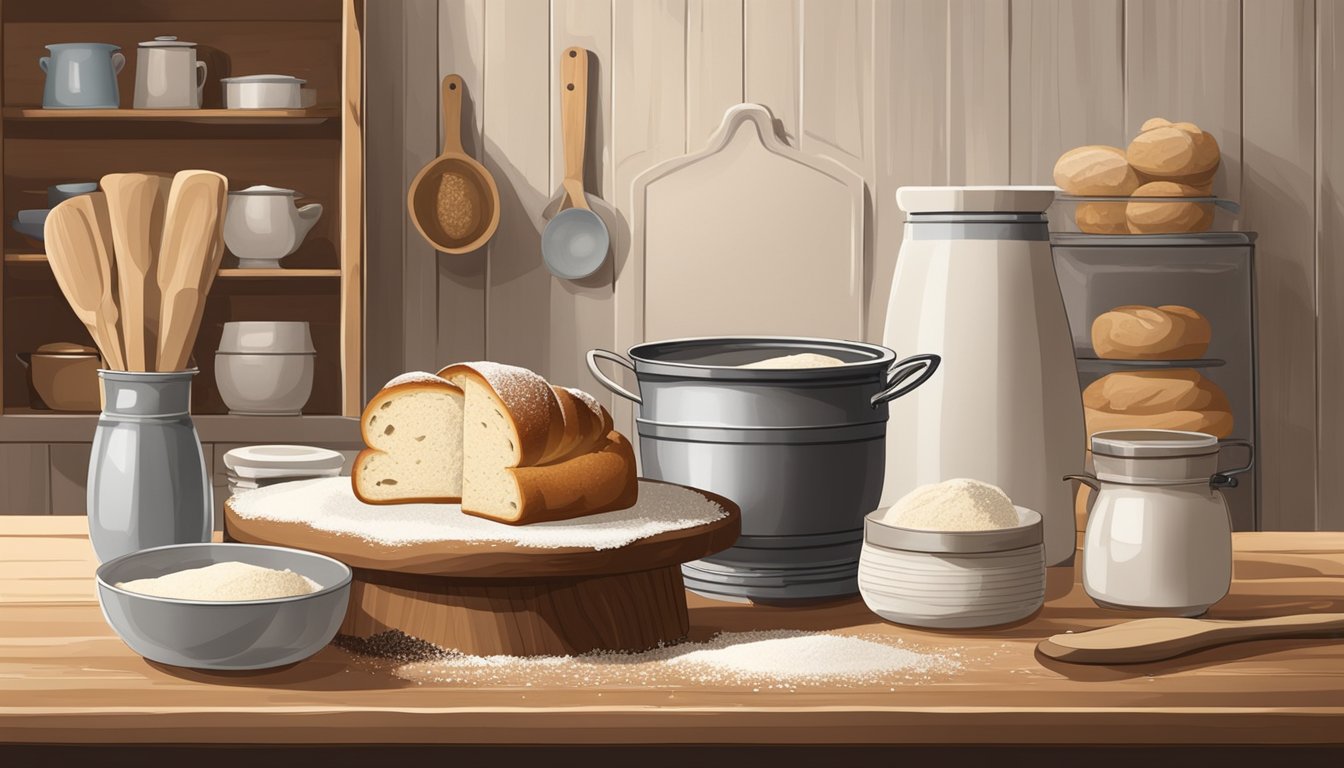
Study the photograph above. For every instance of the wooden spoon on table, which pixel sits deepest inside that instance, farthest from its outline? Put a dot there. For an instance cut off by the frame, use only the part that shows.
(1143, 640)
(78, 236)
(138, 202)
(192, 248)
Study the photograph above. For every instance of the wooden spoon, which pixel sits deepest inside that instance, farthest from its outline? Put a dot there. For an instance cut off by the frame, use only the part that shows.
(454, 201)
(193, 246)
(78, 236)
(1144, 640)
(138, 202)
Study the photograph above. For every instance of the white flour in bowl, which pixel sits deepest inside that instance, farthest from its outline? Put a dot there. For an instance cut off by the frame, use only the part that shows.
(329, 504)
(954, 505)
(784, 659)
(789, 362)
(224, 582)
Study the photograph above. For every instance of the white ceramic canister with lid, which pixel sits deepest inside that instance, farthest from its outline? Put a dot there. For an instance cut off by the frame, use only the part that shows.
(1159, 537)
(975, 283)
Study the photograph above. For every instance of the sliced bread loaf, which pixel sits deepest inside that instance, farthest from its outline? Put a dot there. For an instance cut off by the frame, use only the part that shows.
(413, 430)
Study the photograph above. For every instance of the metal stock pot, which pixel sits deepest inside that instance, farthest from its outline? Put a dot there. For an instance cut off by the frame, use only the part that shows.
(802, 451)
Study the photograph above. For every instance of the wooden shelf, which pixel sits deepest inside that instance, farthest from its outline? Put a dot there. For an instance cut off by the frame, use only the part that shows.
(266, 274)
(24, 425)
(219, 116)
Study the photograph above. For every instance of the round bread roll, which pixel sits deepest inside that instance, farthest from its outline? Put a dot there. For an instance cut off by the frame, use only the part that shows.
(1139, 332)
(1102, 218)
(1216, 423)
(1168, 216)
(1162, 152)
(1148, 393)
(1154, 122)
(1196, 334)
(1207, 155)
(1095, 170)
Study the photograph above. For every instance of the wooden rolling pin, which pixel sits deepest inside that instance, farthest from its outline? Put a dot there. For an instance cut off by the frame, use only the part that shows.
(1135, 642)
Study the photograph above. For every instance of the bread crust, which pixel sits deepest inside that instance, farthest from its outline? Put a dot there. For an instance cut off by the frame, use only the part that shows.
(602, 480)
(1150, 393)
(1140, 332)
(528, 403)
(1216, 423)
(1095, 170)
(375, 403)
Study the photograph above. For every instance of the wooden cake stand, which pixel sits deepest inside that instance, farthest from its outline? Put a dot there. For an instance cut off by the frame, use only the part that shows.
(488, 598)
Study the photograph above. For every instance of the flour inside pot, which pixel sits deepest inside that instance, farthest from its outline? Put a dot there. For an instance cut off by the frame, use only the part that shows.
(954, 505)
(228, 581)
(804, 360)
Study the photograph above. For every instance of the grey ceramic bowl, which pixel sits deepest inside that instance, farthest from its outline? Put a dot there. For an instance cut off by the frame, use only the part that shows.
(219, 635)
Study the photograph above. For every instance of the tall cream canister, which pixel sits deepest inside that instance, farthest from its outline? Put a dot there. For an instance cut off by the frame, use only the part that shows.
(975, 283)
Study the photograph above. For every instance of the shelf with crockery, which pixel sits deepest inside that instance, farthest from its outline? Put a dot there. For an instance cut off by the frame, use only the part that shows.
(315, 150)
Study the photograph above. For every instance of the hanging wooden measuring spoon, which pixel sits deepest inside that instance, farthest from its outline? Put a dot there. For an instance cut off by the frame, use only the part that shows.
(453, 201)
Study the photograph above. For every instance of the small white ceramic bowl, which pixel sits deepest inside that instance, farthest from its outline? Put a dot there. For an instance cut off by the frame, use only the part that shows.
(267, 337)
(264, 384)
(953, 579)
(263, 92)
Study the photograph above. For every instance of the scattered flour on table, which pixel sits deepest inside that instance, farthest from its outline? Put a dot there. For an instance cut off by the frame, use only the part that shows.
(329, 504)
(774, 659)
(954, 505)
(225, 582)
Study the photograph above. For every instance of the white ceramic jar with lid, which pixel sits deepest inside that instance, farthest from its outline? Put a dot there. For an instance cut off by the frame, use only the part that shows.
(167, 74)
(263, 92)
(1159, 537)
(975, 284)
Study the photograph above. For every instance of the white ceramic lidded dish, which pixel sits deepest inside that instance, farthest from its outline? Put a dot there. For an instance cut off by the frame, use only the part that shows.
(265, 368)
(263, 92)
(953, 579)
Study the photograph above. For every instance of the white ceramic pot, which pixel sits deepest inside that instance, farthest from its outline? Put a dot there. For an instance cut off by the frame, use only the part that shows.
(1159, 538)
(167, 75)
(264, 385)
(262, 225)
(953, 579)
(263, 92)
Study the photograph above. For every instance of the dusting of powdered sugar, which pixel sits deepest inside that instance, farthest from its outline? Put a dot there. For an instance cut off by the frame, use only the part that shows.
(415, 377)
(773, 659)
(329, 504)
(587, 399)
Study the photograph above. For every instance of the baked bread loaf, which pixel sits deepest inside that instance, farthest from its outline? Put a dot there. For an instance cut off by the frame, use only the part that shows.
(1138, 332)
(1149, 393)
(535, 453)
(1216, 423)
(1095, 170)
(1168, 216)
(1174, 151)
(508, 446)
(413, 430)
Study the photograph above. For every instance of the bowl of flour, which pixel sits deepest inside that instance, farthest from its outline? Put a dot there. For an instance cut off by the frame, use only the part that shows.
(224, 606)
(953, 555)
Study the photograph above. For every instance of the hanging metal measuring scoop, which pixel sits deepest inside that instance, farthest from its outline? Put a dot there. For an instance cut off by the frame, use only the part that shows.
(575, 242)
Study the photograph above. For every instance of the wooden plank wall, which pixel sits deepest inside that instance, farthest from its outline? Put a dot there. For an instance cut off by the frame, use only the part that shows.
(900, 91)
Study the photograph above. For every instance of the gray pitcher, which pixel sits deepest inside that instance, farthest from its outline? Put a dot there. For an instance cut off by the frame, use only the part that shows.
(82, 76)
(148, 485)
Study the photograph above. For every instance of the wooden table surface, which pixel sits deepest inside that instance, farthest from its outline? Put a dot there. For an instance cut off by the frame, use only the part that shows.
(65, 678)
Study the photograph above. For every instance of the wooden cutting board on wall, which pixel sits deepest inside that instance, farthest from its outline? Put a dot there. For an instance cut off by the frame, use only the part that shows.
(747, 236)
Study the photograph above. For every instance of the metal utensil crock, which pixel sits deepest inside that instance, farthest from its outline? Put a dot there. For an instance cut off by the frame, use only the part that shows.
(148, 485)
(800, 450)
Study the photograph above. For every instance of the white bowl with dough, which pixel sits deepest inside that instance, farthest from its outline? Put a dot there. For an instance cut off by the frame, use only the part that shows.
(953, 579)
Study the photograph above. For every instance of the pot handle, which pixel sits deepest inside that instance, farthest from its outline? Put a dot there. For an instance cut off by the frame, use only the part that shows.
(924, 365)
(25, 358)
(1228, 478)
(1089, 480)
(616, 389)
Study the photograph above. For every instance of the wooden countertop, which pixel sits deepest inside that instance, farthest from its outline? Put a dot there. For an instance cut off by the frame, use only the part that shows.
(66, 678)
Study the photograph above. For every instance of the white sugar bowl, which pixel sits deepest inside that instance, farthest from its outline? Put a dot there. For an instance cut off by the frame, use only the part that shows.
(953, 579)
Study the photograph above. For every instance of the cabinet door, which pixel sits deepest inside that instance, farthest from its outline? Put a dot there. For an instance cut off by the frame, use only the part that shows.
(25, 485)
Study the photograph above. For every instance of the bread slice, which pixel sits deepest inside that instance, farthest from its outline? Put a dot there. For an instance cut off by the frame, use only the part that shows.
(413, 430)
(532, 452)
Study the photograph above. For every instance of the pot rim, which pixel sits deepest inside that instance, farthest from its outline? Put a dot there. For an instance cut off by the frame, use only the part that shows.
(1029, 533)
(882, 359)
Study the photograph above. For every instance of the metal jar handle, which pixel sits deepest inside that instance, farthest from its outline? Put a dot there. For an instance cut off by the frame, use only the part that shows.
(1228, 479)
(612, 386)
(1090, 481)
(924, 365)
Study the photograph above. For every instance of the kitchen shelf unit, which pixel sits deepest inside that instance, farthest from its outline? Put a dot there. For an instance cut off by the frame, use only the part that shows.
(316, 150)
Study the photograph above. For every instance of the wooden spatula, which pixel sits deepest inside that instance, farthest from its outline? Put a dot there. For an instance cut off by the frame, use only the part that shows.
(1142, 640)
(137, 203)
(192, 247)
(78, 236)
